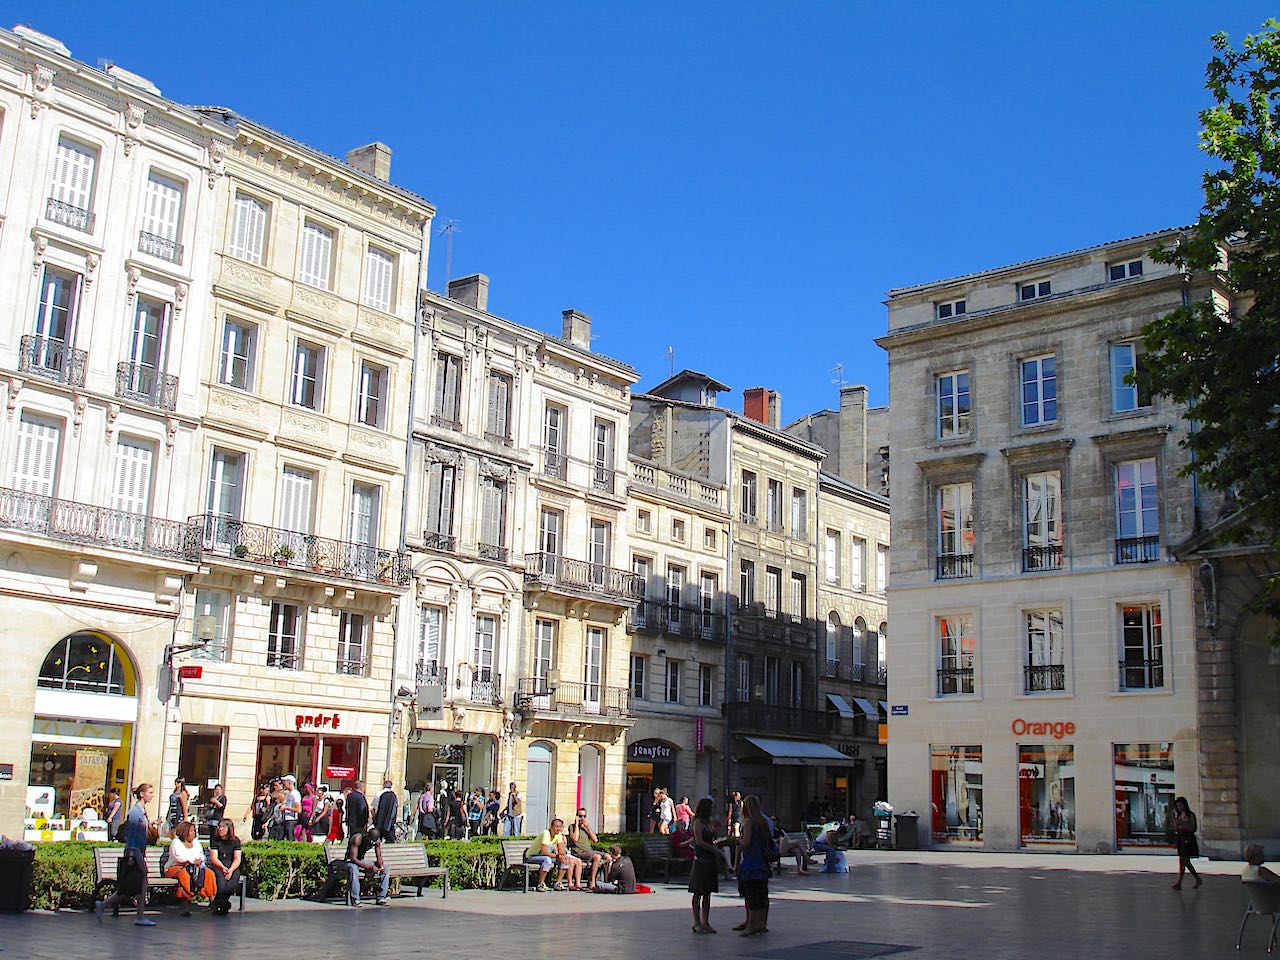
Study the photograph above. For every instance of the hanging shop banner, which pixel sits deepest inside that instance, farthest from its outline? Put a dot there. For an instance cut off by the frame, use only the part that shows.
(89, 781)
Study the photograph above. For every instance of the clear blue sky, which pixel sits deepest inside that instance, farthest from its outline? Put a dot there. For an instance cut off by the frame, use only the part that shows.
(742, 181)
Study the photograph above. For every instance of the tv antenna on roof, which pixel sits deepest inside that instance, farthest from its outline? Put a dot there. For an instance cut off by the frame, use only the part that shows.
(838, 379)
(671, 360)
(447, 230)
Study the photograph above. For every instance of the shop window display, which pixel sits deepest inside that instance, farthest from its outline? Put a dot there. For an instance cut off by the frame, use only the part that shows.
(1145, 788)
(956, 778)
(1047, 795)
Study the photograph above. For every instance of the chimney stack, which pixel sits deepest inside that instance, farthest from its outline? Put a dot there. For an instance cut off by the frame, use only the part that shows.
(373, 159)
(763, 406)
(852, 425)
(472, 291)
(576, 329)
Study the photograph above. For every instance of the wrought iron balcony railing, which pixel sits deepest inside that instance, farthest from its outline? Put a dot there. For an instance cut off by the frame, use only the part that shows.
(832, 669)
(1137, 549)
(550, 571)
(573, 699)
(498, 437)
(444, 542)
(491, 551)
(775, 718)
(84, 523)
(486, 687)
(955, 681)
(1142, 674)
(1045, 557)
(352, 666)
(448, 423)
(430, 671)
(77, 218)
(555, 465)
(52, 359)
(212, 535)
(882, 676)
(692, 622)
(603, 479)
(952, 566)
(146, 384)
(1043, 677)
(159, 247)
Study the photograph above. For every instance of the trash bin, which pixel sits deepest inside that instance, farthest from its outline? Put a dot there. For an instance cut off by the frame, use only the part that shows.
(905, 831)
(15, 879)
(884, 835)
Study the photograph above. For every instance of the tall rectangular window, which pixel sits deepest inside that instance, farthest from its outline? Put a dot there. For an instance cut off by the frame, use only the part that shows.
(673, 681)
(1142, 647)
(544, 652)
(772, 680)
(882, 568)
(1137, 512)
(216, 605)
(952, 390)
(797, 685)
(1045, 667)
(297, 497)
(554, 443)
(598, 550)
(742, 679)
(799, 513)
(442, 482)
(447, 402)
(316, 260)
(485, 647)
(352, 646)
(593, 669)
(147, 343)
(1145, 786)
(371, 396)
(772, 590)
(236, 356)
(747, 583)
(1042, 521)
(248, 228)
(35, 466)
(858, 563)
(284, 636)
(362, 523)
(798, 587)
(1047, 794)
(379, 278)
(308, 375)
(956, 645)
(706, 684)
(675, 591)
(749, 494)
(1039, 390)
(708, 586)
(131, 483)
(497, 425)
(1126, 360)
(226, 483)
(956, 789)
(71, 192)
(602, 451)
(493, 515)
(831, 557)
(642, 567)
(161, 218)
(774, 505)
(55, 319)
(955, 531)
(636, 679)
(549, 524)
(430, 641)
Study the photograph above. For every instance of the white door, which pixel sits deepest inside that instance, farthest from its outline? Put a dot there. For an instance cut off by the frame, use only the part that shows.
(131, 491)
(362, 529)
(297, 488)
(599, 553)
(592, 669)
(226, 497)
(35, 469)
(538, 786)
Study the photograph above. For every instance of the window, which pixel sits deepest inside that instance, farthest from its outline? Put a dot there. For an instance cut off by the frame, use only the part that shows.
(71, 192)
(544, 652)
(677, 531)
(317, 255)
(486, 641)
(226, 484)
(442, 481)
(379, 276)
(297, 493)
(953, 404)
(216, 605)
(549, 522)
(236, 358)
(308, 375)
(284, 636)
(956, 779)
(797, 685)
(636, 678)
(673, 681)
(772, 590)
(749, 493)
(85, 662)
(131, 486)
(593, 669)
(799, 514)
(555, 463)
(602, 450)
(1126, 360)
(1123, 271)
(147, 344)
(598, 543)
(774, 505)
(498, 413)
(1142, 647)
(1039, 391)
(35, 466)
(642, 567)
(351, 644)
(833, 643)
(706, 684)
(1145, 786)
(797, 597)
(858, 563)
(951, 308)
(493, 518)
(772, 677)
(371, 398)
(675, 590)
(1047, 794)
(1045, 667)
(708, 538)
(743, 679)
(1042, 529)
(955, 655)
(363, 518)
(708, 587)
(831, 560)
(447, 402)
(1034, 290)
(882, 568)
(54, 326)
(248, 228)
(644, 521)
(747, 583)
(430, 638)
(161, 218)
(1137, 512)
(955, 531)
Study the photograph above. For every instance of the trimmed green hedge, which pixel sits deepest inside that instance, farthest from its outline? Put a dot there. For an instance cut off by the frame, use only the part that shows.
(63, 875)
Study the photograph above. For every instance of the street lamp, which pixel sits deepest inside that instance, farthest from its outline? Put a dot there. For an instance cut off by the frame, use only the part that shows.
(206, 632)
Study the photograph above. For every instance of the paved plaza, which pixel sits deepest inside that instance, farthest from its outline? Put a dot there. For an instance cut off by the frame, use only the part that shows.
(928, 906)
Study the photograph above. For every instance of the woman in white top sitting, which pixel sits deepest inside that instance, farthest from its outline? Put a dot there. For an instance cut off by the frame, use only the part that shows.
(187, 866)
(1253, 868)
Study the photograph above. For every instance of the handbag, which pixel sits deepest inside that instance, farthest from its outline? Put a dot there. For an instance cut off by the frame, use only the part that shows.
(195, 872)
(128, 876)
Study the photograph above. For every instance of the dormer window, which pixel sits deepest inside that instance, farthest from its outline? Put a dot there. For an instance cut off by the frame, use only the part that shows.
(952, 308)
(1034, 290)
(1123, 271)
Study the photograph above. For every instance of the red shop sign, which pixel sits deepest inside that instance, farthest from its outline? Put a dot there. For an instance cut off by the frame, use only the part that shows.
(340, 773)
(317, 721)
(190, 673)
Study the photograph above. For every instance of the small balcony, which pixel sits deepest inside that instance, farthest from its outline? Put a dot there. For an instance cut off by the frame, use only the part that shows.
(162, 248)
(1045, 557)
(430, 671)
(770, 718)
(77, 218)
(951, 566)
(485, 688)
(557, 574)
(1137, 549)
(832, 670)
(1044, 678)
(501, 439)
(145, 384)
(491, 551)
(352, 666)
(578, 700)
(216, 536)
(89, 525)
(604, 480)
(955, 681)
(443, 542)
(690, 622)
(555, 465)
(446, 423)
(1142, 674)
(52, 359)
(750, 519)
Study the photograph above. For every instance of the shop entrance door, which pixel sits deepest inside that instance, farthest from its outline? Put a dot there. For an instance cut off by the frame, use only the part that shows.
(537, 796)
(450, 773)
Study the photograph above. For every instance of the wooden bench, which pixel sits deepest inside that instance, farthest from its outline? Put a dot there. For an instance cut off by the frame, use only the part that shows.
(513, 858)
(106, 864)
(657, 850)
(407, 862)
(800, 846)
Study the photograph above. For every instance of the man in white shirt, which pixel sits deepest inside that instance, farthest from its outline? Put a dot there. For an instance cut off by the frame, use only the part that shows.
(292, 807)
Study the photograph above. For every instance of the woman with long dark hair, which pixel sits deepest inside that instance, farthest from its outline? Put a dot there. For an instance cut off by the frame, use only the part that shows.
(258, 812)
(224, 862)
(733, 827)
(1184, 839)
(753, 868)
(704, 879)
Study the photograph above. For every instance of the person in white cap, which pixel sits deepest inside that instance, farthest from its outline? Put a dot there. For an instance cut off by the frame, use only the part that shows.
(292, 806)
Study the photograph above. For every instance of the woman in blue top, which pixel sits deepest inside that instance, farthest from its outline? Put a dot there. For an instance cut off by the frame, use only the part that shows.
(753, 868)
(136, 835)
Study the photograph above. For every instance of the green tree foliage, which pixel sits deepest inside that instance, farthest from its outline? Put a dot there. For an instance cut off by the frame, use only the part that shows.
(1223, 362)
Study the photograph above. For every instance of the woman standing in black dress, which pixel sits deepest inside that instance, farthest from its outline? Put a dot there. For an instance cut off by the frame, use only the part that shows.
(1184, 838)
(704, 880)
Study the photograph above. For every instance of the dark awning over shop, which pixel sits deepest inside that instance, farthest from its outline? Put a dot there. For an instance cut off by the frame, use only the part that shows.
(867, 707)
(842, 706)
(798, 753)
(884, 705)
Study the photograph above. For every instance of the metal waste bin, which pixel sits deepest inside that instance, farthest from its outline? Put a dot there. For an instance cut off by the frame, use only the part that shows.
(884, 835)
(906, 835)
(15, 880)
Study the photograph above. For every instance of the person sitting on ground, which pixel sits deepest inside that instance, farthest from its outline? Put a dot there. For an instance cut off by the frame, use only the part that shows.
(581, 838)
(545, 852)
(1254, 871)
(622, 873)
(187, 866)
(224, 861)
(825, 843)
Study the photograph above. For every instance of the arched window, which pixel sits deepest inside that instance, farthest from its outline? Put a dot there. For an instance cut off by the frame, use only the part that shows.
(882, 662)
(833, 637)
(859, 632)
(87, 663)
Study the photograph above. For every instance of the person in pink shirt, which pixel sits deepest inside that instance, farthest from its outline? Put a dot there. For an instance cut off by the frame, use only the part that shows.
(684, 812)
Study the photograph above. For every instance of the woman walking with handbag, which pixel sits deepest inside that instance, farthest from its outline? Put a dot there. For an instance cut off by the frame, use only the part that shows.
(1184, 839)
(131, 875)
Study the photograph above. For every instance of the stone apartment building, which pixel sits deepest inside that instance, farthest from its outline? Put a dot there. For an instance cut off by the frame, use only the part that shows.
(1045, 640)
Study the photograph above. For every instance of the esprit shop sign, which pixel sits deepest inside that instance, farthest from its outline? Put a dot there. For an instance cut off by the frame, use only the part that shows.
(317, 721)
(1036, 728)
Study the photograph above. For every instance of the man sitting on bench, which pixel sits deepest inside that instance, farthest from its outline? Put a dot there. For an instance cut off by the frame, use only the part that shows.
(358, 847)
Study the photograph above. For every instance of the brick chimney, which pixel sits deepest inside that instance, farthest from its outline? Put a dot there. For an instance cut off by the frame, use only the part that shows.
(762, 405)
(373, 159)
(853, 435)
(576, 328)
(472, 291)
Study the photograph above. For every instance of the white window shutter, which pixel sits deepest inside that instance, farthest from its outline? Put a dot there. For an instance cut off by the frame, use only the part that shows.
(36, 464)
(317, 247)
(73, 169)
(161, 205)
(131, 490)
(379, 267)
(295, 500)
(248, 228)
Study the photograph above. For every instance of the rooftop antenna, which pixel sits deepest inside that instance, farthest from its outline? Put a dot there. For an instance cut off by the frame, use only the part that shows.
(447, 230)
(838, 379)
(671, 360)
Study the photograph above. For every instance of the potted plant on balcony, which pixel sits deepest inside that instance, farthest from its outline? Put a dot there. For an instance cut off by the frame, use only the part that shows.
(240, 551)
(282, 555)
(313, 554)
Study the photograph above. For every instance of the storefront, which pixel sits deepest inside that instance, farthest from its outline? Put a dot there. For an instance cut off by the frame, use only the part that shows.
(446, 757)
(1145, 790)
(328, 760)
(650, 764)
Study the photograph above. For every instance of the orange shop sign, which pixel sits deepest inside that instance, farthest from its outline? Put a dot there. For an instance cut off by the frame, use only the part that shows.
(1040, 728)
